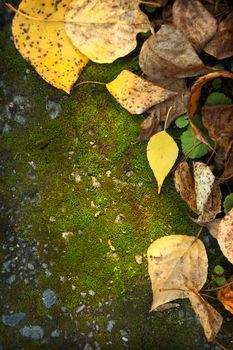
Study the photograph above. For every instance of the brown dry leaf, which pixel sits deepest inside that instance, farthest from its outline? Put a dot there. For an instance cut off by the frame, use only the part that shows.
(159, 112)
(225, 235)
(197, 88)
(185, 185)
(221, 46)
(135, 93)
(105, 30)
(228, 165)
(149, 127)
(168, 54)
(210, 319)
(195, 97)
(46, 45)
(213, 205)
(195, 22)
(218, 120)
(204, 180)
(172, 262)
(225, 295)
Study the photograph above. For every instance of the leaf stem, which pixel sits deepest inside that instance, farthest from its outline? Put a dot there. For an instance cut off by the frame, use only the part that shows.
(89, 82)
(220, 345)
(168, 112)
(149, 3)
(218, 288)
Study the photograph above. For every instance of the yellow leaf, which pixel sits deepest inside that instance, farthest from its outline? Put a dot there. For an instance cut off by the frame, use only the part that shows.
(210, 319)
(43, 41)
(105, 29)
(162, 152)
(135, 93)
(174, 261)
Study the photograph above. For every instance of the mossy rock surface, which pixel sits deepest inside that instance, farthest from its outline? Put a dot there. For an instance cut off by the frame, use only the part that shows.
(79, 202)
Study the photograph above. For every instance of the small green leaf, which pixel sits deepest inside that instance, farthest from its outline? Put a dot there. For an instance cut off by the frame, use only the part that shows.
(220, 281)
(218, 270)
(218, 98)
(191, 146)
(228, 203)
(232, 66)
(182, 121)
(217, 83)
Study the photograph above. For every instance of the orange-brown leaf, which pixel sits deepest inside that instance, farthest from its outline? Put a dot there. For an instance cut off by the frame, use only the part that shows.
(185, 185)
(225, 295)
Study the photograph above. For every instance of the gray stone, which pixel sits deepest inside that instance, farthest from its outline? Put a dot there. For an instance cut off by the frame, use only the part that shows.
(49, 298)
(56, 333)
(110, 325)
(11, 279)
(14, 319)
(54, 109)
(33, 332)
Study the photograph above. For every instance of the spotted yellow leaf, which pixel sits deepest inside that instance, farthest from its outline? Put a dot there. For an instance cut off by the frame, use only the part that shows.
(39, 35)
(162, 152)
(105, 29)
(135, 93)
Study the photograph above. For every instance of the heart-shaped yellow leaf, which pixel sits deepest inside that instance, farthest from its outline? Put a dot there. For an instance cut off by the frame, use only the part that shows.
(162, 152)
(105, 29)
(43, 42)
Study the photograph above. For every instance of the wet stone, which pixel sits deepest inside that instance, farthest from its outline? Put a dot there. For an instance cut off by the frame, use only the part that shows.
(49, 298)
(56, 333)
(54, 109)
(33, 332)
(14, 319)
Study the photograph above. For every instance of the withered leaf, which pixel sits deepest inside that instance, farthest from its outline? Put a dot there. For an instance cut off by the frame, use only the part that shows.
(135, 93)
(195, 22)
(221, 46)
(105, 29)
(185, 185)
(168, 54)
(204, 180)
(172, 262)
(213, 206)
(228, 165)
(225, 235)
(210, 319)
(225, 295)
(195, 97)
(218, 120)
(176, 106)
(197, 89)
